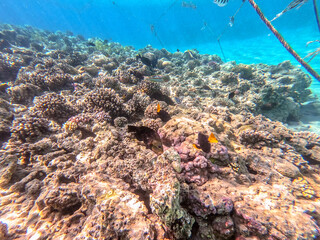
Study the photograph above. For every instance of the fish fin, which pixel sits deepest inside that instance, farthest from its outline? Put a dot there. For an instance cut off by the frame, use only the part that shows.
(196, 146)
(212, 138)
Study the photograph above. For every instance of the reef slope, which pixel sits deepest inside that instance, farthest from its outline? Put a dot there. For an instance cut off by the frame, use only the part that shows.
(70, 169)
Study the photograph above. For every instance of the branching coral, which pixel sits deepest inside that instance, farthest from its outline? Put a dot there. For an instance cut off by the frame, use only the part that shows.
(47, 78)
(28, 129)
(104, 100)
(52, 106)
(9, 66)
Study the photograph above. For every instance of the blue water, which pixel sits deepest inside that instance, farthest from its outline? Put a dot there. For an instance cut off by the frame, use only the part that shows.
(175, 27)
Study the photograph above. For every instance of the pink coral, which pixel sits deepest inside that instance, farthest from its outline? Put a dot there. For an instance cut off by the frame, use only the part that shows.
(198, 170)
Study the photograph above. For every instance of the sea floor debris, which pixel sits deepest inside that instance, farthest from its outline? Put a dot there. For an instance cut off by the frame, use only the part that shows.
(79, 123)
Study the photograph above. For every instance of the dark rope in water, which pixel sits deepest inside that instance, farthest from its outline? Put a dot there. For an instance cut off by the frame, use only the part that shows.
(166, 11)
(225, 29)
(315, 7)
(283, 42)
(224, 57)
(152, 26)
(154, 32)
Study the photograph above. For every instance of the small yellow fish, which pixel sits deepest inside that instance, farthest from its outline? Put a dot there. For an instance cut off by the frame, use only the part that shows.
(212, 138)
(158, 108)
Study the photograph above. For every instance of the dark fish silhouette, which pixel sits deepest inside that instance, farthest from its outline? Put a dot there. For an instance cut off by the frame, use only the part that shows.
(91, 44)
(177, 100)
(149, 62)
(231, 95)
(204, 142)
(149, 136)
(162, 114)
(206, 87)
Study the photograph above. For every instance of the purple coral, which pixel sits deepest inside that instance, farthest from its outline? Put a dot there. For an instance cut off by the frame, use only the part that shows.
(223, 227)
(221, 153)
(202, 207)
(198, 170)
(249, 223)
(225, 206)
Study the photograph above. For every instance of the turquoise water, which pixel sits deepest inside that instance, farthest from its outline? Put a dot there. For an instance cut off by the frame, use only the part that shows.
(167, 24)
(174, 26)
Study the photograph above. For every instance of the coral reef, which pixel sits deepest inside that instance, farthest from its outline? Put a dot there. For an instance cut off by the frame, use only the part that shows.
(52, 106)
(10, 64)
(29, 128)
(47, 77)
(104, 100)
(70, 168)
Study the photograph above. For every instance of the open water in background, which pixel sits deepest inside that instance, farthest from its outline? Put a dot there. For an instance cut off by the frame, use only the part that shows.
(175, 27)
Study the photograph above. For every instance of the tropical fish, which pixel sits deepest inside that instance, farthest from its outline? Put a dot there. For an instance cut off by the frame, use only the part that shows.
(247, 127)
(292, 5)
(212, 138)
(147, 61)
(158, 78)
(188, 5)
(162, 114)
(221, 3)
(204, 142)
(149, 136)
(231, 22)
(190, 54)
(158, 108)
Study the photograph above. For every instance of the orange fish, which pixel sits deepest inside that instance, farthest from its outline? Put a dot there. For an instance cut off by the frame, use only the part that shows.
(196, 146)
(212, 138)
(162, 114)
(204, 142)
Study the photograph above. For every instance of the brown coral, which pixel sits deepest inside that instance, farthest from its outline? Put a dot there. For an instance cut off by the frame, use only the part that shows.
(28, 129)
(47, 78)
(104, 99)
(52, 106)
(9, 66)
